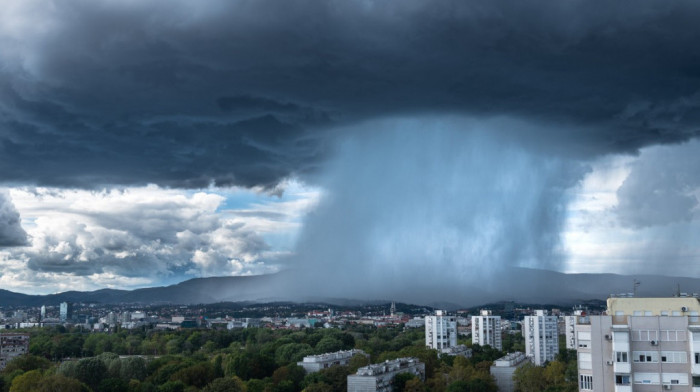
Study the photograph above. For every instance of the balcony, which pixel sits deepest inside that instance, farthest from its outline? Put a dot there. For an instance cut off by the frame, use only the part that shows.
(624, 388)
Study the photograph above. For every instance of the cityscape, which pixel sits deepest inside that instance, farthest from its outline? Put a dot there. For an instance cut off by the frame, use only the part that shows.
(349, 196)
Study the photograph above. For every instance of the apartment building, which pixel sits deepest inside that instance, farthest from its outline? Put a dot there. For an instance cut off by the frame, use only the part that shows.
(541, 337)
(640, 344)
(440, 331)
(486, 330)
(379, 377)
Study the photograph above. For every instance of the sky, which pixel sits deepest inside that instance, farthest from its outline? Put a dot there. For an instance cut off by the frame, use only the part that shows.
(365, 144)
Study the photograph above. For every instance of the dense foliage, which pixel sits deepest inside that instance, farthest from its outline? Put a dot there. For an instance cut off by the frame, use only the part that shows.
(252, 360)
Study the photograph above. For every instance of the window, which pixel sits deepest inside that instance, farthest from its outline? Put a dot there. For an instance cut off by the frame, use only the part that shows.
(622, 379)
(697, 358)
(674, 357)
(642, 335)
(621, 356)
(645, 356)
(586, 382)
(696, 381)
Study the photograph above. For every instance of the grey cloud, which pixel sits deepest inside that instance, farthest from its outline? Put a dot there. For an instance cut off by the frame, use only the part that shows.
(661, 187)
(229, 92)
(395, 218)
(11, 231)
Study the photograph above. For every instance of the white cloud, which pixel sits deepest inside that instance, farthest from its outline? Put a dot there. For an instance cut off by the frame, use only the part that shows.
(146, 236)
(623, 217)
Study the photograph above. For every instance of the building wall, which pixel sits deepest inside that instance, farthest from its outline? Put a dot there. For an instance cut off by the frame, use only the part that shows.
(541, 337)
(440, 331)
(627, 350)
(379, 377)
(486, 330)
(12, 345)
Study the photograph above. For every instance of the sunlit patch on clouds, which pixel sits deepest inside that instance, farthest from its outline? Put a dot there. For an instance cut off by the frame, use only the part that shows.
(146, 236)
(623, 214)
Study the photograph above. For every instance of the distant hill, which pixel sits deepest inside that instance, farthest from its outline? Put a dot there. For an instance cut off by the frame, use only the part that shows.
(520, 285)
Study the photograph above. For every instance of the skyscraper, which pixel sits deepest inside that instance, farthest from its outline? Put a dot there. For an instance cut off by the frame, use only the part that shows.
(66, 311)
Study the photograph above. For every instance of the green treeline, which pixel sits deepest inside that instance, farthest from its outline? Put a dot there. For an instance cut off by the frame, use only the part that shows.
(253, 360)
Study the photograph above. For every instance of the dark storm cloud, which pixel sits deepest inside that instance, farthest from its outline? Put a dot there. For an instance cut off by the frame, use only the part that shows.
(234, 92)
(11, 232)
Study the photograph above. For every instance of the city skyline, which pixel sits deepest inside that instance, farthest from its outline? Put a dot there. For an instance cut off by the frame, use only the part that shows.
(364, 146)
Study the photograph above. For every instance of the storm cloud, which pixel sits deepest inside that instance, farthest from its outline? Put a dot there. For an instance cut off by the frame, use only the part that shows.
(444, 135)
(234, 92)
(11, 232)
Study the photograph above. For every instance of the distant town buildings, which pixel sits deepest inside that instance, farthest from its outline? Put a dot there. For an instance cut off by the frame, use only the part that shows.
(486, 330)
(503, 368)
(440, 331)
(641, 344)
(12, 345)
(314, 363)
(541, 337)
(379, 377)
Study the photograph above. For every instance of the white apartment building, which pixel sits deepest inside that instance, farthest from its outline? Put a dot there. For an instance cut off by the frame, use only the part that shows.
(314, 363)
(541, 337)
(641, 344)
(486, 330)
(440, 331)
(379, 377)
(570, 328)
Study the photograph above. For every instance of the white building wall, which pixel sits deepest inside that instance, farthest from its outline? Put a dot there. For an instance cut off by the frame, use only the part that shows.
(440, 331)
(486, 330)
(541, 337)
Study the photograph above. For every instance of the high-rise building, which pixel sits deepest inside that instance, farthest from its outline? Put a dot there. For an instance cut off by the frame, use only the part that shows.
(486, 330)
(570, 329)
(440, 331)
(640, 344)
(541, 337)
(43, 312)
(66, 311)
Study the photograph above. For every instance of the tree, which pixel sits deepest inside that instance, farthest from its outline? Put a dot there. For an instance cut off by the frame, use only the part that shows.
(318, 387)
(401, 379)
(233, 384)
(26, 363)
(91, 371)
(60, 383)
(27, 382)
(414, 385)
(529, 378)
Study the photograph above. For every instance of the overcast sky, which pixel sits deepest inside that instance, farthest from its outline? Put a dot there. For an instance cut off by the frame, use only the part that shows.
(147, 142)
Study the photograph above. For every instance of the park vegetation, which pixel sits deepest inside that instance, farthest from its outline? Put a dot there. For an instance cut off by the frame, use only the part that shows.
(252, 360)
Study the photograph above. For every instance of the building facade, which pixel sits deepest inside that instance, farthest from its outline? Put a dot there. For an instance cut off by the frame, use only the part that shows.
(65, 311)
(440, 331)
(503, 369)
(379, 377)
(486, 330)
(12, 345)
(641, 344)
(314, 363)
(541, 337)
(570, 328)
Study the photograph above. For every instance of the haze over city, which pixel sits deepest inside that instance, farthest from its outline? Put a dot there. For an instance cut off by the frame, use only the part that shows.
(361, 148)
